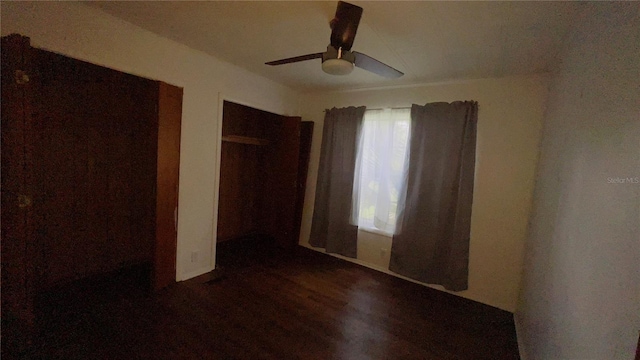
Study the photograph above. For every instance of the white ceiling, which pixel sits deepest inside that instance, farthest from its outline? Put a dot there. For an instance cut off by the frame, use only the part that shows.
(428, 41)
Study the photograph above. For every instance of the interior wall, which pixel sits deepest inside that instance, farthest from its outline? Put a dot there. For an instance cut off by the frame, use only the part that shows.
(91, 35)
(581, 285)
(509, 127)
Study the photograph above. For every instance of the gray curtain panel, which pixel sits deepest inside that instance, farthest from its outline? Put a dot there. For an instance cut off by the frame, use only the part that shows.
(331, 228)
(433, 244)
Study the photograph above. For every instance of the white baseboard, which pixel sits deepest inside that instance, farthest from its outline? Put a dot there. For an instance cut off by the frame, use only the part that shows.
(389, 272)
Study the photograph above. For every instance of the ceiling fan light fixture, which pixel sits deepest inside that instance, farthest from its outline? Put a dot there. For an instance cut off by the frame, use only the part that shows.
(337, 66)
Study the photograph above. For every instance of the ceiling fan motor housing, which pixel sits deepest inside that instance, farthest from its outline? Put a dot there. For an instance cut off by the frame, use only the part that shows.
(337, 61)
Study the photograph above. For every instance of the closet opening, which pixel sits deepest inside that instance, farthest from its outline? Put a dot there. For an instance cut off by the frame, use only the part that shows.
(263, 168)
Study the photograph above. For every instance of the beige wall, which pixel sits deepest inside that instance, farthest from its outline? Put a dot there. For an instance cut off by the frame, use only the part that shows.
(581, 285)
(88, 34)
(509, 126)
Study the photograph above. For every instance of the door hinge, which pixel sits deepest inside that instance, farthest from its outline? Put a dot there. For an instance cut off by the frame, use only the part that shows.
(24, 201)
(21, 77)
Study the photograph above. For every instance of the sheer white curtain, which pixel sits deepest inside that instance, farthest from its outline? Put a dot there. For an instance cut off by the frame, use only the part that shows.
(381, 166)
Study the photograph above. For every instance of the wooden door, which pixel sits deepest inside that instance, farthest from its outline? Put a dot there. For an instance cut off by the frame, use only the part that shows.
(95, 152)
(284, 180)
(306, 135)
(169, 125)
(17, 226)
(94, 168)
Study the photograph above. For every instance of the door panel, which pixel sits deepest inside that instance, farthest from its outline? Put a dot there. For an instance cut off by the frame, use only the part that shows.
(53, 155)
(285, 180)
(306, 135)
(16, 195)
(82, 165)
(168, 165)
(94, 165)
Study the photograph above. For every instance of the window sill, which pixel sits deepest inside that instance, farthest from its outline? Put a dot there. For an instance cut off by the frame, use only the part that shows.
(376, 232)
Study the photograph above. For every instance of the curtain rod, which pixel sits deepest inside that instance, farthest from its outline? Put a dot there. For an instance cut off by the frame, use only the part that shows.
(392, 108)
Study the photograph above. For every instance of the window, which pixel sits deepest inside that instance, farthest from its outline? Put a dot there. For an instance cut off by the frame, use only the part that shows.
(380, 175)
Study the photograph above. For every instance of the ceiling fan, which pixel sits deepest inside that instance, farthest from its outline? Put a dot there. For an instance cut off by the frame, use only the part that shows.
(339, 59)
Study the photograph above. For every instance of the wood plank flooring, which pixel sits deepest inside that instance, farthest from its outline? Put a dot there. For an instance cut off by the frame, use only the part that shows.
(268, 305)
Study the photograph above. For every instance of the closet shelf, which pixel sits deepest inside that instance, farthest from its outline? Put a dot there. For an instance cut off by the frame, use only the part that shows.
(245, 140)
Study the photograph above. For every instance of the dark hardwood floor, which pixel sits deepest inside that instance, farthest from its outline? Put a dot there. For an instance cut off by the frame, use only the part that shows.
(263, 304)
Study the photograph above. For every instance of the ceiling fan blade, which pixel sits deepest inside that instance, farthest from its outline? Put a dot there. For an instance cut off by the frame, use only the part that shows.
(344, 25)
(370, 64)
(296, 59)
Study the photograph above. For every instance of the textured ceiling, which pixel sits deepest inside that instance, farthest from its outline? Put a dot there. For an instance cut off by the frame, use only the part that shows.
(428, 41)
